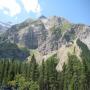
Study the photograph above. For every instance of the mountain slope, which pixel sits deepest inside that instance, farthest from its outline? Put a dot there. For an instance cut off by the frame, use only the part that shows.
(4, 26)
(46, 35)
(11, 51)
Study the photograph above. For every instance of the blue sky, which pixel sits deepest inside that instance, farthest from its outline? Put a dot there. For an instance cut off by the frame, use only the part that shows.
(77, 11)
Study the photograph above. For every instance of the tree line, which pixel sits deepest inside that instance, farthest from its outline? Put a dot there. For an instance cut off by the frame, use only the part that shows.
(17, 75)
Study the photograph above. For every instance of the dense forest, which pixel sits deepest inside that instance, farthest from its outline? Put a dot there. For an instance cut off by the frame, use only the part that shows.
(17, 75)
(28, 75)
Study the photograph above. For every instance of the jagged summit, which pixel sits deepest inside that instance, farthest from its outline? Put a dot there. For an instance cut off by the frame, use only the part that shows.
(42, 17)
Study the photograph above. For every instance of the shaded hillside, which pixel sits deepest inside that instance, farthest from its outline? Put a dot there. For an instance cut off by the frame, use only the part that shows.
(85, 54)
(11, 50)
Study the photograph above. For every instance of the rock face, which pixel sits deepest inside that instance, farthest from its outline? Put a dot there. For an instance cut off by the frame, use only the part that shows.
(47, 34)
(30, 35)
(83, 33)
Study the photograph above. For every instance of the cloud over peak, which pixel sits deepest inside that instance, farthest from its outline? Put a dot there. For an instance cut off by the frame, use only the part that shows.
(10, 7)
(31, 6)
(13, 8)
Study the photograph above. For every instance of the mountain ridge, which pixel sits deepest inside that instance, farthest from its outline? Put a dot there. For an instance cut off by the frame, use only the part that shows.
(54, 29)
(48, 36)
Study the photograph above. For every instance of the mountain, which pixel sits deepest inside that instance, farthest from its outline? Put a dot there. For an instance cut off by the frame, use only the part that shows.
(48, 36)
(42, 17)
(4, 26)
(48, 53)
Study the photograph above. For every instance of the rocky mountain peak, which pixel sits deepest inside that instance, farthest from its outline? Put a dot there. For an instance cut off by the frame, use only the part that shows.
(47, 34)
(42, 17)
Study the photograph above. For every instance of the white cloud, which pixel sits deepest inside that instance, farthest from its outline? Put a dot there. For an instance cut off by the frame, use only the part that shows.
(10, 7)
(32, 6)
(13, 8)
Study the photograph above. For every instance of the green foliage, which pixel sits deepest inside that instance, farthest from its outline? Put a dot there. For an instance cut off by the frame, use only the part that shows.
(56, 31)
(85, 55)
(48, 76)
(17, 75)
(22, 84)
(34, 86)
(65, 26)
(34, 73)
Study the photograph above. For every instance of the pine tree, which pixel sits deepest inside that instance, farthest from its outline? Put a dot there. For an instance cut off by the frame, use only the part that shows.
(42, 76)
(34, 72)
(11, 70)
(3, 70)
(51, 74)
(6, 71)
